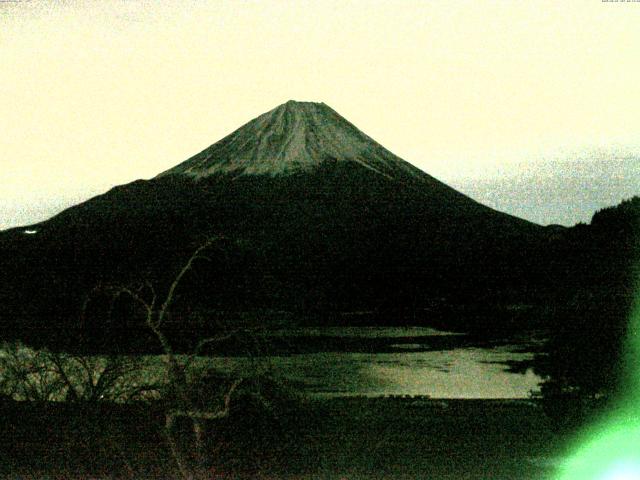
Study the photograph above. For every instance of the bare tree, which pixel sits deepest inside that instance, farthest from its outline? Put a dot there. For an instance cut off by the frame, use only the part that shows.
(184, 400)
(189, 389)
(26, 374)
(43, 375)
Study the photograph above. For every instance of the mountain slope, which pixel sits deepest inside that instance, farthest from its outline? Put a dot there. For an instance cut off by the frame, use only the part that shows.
(318, 219)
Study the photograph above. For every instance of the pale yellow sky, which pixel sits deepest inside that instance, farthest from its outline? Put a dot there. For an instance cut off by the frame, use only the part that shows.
(94, 94)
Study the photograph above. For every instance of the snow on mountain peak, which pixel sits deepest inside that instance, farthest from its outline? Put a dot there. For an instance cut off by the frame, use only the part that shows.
(293, 137)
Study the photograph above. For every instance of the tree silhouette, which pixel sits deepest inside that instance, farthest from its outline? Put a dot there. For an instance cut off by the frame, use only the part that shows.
(199, 396)
(584, 357)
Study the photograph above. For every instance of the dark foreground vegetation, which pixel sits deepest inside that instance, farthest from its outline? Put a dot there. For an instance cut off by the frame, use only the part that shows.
(348, 438)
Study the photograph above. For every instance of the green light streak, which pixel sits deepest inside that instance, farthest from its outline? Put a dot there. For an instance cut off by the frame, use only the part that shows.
(610, 449)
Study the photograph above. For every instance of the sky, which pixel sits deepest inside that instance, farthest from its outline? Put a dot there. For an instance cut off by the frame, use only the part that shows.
(528, 107)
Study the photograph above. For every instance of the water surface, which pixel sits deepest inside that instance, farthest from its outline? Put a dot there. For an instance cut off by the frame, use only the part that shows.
(408, 361)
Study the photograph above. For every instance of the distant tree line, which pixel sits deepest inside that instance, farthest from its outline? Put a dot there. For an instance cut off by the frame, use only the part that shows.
(584, 358)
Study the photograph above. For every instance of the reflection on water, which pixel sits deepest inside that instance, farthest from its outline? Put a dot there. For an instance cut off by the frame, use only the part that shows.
(465, 372)
(460, 373)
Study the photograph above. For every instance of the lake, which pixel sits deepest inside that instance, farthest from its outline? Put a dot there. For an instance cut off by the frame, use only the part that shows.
(374, 361)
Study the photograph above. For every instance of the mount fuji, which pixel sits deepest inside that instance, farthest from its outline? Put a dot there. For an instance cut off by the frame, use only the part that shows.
(316, 220)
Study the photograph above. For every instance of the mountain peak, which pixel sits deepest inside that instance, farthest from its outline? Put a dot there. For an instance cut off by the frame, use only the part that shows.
(293, 137)
(304, 109)
(300, 104)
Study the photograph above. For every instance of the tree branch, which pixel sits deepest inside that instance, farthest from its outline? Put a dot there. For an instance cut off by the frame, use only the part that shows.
(205, 414)
(176, 282)
(60, 370)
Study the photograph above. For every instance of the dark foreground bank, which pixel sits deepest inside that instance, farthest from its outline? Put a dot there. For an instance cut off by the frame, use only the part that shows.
(348, 438)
